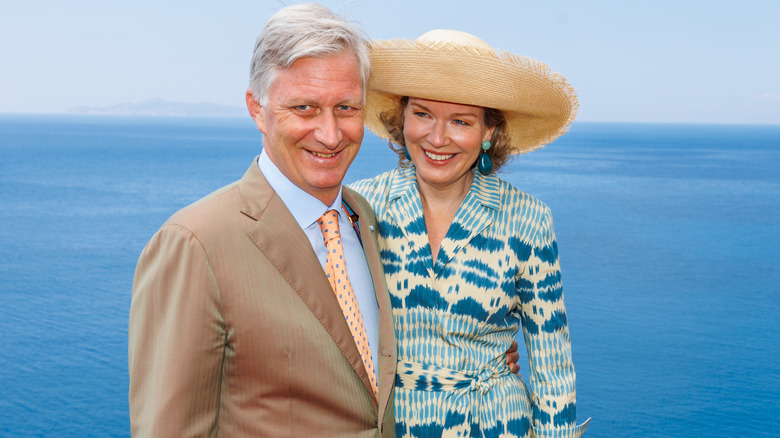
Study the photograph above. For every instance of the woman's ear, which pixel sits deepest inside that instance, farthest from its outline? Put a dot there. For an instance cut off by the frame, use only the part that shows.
(489, 134)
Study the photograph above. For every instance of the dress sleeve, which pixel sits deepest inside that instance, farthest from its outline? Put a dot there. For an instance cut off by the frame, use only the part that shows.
(176, 339)
(546, 333)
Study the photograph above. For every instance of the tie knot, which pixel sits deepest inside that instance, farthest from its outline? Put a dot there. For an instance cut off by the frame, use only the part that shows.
(329, 224)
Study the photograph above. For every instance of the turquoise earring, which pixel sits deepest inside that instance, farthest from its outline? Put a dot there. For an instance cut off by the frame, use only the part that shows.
(406, 154)
(485, 164)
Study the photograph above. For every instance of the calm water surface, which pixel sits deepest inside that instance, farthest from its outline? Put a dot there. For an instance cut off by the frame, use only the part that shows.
(668, 237)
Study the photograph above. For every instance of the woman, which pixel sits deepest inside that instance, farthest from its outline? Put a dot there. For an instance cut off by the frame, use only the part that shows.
(469, 259)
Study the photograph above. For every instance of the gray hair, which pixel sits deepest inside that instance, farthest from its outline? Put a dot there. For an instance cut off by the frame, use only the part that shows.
(300, 31)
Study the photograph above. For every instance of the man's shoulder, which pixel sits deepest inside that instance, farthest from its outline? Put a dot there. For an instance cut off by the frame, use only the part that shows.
(210, 210)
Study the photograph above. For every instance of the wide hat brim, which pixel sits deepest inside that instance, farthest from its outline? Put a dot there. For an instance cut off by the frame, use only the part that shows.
(538, 104)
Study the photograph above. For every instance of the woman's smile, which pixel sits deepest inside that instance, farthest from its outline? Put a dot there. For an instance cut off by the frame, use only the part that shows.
(437, 157)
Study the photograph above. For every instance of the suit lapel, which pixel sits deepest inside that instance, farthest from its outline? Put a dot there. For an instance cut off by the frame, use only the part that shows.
(278, 236)
(386, 368)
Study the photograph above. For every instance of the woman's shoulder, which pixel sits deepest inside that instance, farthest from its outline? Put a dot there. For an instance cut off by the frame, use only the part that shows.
(523, 213)
(372, 187)
(393, 180)
(379, 189)
(514, 198)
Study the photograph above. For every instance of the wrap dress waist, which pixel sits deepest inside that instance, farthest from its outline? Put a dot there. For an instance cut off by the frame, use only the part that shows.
(467, 389)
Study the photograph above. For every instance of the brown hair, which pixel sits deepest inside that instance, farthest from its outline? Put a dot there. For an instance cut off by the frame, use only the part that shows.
(499, 152)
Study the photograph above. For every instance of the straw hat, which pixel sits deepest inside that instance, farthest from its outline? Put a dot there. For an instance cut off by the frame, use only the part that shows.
(454, 66)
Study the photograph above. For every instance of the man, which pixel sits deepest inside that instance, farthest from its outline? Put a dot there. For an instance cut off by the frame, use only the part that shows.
(234, 327)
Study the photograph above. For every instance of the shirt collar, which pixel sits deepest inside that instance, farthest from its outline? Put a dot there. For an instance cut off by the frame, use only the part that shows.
(305, 208)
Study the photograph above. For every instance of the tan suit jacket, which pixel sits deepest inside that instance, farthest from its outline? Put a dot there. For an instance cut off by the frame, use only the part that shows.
(235, 331)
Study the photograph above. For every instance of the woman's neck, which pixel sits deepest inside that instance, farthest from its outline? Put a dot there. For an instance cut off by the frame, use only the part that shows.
(439, 204)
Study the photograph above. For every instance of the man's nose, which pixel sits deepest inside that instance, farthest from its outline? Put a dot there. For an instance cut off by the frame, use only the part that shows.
(328, 131)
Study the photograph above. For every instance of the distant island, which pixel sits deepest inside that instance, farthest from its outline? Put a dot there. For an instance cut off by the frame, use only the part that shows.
(162, 107)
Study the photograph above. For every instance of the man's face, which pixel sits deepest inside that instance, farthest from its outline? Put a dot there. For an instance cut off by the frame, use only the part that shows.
(313, 122)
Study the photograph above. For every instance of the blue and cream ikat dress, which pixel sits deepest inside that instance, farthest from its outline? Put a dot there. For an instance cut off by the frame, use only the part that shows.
(497, 271)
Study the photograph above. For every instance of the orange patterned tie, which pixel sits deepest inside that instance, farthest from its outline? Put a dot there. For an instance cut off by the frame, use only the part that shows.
(336, 269)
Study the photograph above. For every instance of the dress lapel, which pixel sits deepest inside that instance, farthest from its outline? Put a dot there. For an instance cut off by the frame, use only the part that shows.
(406, 210)
(478, 210)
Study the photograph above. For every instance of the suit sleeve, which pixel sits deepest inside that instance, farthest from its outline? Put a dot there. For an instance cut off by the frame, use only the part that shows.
(546, 333)
(176, 339)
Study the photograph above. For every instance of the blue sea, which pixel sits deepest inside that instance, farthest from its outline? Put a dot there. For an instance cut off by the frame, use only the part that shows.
(669, 237)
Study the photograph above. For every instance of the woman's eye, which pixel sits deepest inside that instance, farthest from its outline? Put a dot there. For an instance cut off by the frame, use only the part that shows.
(460, 122)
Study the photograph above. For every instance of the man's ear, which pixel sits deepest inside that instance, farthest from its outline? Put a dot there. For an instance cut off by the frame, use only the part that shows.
(255, 111)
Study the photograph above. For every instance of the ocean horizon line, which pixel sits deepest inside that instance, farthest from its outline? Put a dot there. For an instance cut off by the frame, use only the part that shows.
(72, 116)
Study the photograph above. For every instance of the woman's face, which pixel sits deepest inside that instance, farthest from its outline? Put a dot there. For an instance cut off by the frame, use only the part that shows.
(444, 140)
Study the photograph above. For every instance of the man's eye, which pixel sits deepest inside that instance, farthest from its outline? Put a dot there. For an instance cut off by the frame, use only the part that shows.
(346, 110)
(303, 107)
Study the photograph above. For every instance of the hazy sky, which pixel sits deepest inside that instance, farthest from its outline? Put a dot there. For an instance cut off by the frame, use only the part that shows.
(644, 61)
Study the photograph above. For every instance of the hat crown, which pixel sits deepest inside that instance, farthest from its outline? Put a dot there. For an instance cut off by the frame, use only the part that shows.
(454, 37)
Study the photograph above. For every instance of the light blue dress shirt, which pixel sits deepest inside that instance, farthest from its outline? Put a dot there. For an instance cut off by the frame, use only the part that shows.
(306, 209)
